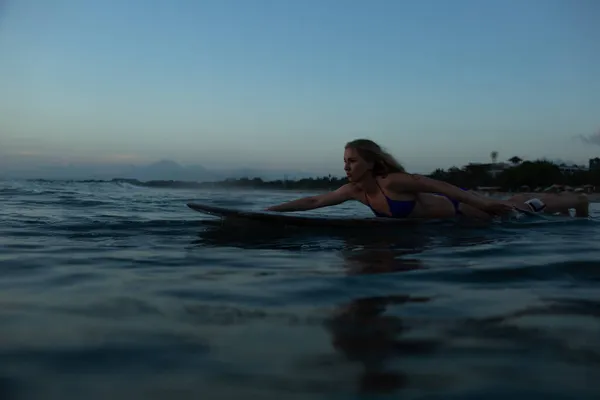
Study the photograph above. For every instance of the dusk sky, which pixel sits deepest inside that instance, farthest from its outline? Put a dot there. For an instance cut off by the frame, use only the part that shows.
(285, 84)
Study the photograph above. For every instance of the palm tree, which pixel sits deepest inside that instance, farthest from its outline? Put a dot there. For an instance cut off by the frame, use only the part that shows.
(515, 160)
(494, 155)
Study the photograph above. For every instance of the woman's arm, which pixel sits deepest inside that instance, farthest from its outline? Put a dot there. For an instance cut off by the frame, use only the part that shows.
(340, 195)
(420, 183)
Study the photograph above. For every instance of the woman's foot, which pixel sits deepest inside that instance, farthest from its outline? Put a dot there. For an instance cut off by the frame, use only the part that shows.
(556, 203)
(583, 205)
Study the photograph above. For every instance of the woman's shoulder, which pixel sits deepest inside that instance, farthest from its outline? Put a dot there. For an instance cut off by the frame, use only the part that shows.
(398, 181)
(394, 177)
(352, 189)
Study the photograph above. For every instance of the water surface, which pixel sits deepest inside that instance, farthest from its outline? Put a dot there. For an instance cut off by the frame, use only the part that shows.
(115, 290)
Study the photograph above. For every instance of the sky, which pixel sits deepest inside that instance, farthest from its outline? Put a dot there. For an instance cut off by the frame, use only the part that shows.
(285, 84)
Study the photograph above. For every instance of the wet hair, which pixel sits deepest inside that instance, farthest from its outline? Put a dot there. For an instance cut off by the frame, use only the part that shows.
(383, 162)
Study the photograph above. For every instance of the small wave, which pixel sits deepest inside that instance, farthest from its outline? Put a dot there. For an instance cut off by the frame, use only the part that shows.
(13, 192)
(126, 185)
(583, 271)
(70, 201)
(10, 192)
(67, 202)
(170, 184)
(93, 226)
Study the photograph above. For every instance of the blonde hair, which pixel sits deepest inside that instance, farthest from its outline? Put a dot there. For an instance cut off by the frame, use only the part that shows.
(383, 162)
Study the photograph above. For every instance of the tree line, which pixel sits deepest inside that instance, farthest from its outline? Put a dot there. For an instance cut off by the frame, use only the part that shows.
(532, 174)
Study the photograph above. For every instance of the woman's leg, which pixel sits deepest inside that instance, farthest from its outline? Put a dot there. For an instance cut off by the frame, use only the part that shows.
(556, 202)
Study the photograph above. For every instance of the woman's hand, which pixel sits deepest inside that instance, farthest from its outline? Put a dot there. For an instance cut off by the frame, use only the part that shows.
(494, 207)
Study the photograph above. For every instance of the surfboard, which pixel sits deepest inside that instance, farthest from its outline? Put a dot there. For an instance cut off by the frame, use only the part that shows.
(299, 220)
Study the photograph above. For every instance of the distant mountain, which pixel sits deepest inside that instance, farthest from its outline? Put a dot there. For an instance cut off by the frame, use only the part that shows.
(160, 170)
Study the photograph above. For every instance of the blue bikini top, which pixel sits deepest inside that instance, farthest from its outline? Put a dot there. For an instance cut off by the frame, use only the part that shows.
(398, 208)
(403, 208)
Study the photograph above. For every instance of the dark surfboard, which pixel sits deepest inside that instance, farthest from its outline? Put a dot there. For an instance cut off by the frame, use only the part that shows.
(300, 220)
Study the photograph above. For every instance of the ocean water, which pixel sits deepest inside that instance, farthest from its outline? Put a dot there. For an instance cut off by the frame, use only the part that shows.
(116, 290)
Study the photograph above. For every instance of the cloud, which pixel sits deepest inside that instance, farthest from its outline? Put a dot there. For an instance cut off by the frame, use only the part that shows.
(590, 139)
(123, 158)
(27, 155)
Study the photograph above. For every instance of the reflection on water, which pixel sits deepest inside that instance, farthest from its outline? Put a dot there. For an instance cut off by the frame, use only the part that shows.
(366, 331)
(252, 235)
(363, 333)
(378, 261)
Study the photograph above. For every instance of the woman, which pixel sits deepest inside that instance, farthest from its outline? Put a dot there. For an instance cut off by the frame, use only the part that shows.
(377, 180)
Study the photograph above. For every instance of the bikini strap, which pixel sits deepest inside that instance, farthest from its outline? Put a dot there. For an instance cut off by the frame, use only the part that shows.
(367, 199)
(380, 189)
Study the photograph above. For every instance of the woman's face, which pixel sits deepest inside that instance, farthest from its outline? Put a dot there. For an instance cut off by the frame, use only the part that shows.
(355, 166)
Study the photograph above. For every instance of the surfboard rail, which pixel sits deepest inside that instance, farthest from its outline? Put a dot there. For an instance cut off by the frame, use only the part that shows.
(305, 220)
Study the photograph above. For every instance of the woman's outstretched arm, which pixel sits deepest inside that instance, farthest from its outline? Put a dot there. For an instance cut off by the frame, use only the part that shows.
(419, 183)
(338, 196)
